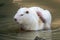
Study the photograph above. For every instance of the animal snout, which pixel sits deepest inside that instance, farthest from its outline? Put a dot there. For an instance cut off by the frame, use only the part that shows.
(15, 19)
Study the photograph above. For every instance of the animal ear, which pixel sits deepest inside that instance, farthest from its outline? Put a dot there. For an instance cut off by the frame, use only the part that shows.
(41, 16)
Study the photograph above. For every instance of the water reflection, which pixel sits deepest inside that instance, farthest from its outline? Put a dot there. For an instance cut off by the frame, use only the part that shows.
(7, 11)
(27, 35)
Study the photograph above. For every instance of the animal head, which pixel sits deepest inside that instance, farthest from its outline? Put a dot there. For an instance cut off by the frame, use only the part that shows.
(25, 16)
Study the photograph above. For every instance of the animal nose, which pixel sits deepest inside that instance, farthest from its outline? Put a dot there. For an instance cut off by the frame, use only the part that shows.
(15, 19)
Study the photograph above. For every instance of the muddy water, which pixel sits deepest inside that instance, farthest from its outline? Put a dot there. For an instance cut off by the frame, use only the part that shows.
(47, 35)
(9, 30)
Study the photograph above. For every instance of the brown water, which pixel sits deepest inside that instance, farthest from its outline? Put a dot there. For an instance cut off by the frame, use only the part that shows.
(27, 35)
(9, 30)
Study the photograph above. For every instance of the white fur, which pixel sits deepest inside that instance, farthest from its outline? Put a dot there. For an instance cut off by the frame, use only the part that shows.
(31, 20)
(46, 14)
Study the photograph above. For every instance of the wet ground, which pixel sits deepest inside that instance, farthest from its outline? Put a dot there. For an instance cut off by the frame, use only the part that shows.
(9, 30)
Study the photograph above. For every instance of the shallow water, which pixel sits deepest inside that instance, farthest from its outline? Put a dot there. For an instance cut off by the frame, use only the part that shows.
(9, 30)
(47, 35)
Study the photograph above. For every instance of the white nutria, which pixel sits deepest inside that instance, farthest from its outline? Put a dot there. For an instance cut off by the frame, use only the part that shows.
(33, 18)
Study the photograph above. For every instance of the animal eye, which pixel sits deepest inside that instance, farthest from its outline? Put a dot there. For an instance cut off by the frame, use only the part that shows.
(27, 12)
